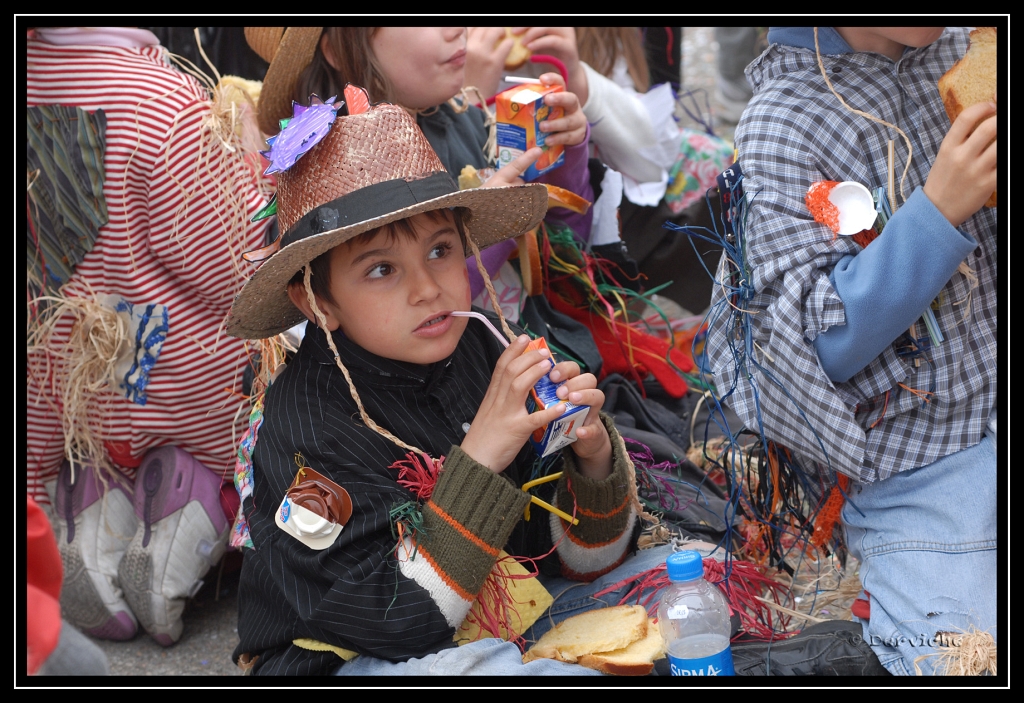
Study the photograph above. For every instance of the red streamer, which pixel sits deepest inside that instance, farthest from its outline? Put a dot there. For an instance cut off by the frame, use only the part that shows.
(742, 583)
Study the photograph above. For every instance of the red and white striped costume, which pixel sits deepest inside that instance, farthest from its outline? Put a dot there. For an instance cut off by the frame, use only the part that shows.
(172, 197)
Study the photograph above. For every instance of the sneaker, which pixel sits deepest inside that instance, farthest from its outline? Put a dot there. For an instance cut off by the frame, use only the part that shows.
(182, 532)
(830, 648)
(93, 526)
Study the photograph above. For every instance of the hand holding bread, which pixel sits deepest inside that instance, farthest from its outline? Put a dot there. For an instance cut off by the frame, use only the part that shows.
(519, 54)
(970, 81)
(486, 51)
(963, 175)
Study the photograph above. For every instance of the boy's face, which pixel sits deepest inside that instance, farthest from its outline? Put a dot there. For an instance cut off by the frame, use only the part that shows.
(394, 294)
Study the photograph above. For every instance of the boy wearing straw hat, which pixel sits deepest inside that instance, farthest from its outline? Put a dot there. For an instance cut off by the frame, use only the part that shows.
(381, 476)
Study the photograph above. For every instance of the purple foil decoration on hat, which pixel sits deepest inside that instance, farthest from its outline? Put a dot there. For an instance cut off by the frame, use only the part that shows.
(307, 126)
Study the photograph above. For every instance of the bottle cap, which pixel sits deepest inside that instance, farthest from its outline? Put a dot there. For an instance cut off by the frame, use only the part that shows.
(686, 565)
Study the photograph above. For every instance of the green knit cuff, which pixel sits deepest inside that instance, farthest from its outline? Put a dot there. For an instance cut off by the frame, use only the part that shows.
(468, 519)
(601, 506)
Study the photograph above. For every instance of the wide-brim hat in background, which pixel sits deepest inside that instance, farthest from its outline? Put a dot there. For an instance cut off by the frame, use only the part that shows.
(288, 50)
(370, 169)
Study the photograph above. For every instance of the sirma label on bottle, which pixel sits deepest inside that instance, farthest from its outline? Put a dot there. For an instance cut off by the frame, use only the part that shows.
(716, 665)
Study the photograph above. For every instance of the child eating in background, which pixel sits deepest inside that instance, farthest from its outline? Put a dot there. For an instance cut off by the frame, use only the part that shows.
(422, 69)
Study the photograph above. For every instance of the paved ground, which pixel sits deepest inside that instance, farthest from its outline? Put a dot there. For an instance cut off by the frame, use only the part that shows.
(210, 635)
(211, 616)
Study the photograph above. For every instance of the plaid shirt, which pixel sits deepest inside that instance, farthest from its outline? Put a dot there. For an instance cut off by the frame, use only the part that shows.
(795, 132)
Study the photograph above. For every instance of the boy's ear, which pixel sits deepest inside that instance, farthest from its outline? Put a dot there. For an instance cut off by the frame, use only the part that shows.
(297, 294)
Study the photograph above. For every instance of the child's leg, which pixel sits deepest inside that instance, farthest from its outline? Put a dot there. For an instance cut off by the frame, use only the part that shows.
(926, 541)
(75, 655)
(488, 657)
(495, 657)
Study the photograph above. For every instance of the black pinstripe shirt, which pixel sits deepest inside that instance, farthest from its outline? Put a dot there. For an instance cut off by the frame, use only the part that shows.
(352, 594)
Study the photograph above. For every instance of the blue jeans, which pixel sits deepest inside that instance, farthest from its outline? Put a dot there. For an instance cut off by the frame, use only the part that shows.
(495, 657)
(926, 542)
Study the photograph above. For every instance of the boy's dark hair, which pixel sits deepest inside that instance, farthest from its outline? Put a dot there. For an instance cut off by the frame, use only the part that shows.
(320, 267)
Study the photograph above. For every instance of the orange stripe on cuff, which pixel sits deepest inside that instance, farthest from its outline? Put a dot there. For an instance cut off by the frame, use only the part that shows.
(586, 545)
(603, 516)
(493, 551)
(462, 593)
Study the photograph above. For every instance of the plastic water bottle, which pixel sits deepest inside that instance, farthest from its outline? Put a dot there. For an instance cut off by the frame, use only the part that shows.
(694, 620)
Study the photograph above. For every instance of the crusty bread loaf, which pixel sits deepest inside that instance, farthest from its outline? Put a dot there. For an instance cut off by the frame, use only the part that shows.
(519, 53)
(636, 659)
(602, 630)
(972, 79)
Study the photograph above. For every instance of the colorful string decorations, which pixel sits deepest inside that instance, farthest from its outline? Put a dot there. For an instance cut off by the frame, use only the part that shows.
(784, 511)
(589, 289)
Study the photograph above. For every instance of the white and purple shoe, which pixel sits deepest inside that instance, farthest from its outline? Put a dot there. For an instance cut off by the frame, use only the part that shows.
(182, 532)
(93, 525)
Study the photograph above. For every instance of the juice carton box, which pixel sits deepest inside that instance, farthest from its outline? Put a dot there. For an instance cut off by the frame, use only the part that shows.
(519, 112)
(561, 432)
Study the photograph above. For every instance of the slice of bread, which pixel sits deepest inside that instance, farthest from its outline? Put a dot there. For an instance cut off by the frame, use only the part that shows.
(519, 53)
(972, 79)
(636, 659)
(602, 630)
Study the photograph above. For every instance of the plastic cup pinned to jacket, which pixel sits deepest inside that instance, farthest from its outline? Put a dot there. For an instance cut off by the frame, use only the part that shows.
(561, 431)
(856, 207)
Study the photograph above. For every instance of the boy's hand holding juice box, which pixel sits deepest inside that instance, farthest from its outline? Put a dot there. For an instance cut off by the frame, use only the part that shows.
(560, 432)
(519, 112)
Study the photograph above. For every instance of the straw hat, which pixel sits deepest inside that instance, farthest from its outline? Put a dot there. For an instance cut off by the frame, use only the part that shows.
(370, 169)
(288, 50)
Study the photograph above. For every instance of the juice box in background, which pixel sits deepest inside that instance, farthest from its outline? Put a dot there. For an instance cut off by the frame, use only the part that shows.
(519, 111)
(561, 431)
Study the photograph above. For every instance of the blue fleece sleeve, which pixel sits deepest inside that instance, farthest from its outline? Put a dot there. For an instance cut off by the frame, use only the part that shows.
(887, 286)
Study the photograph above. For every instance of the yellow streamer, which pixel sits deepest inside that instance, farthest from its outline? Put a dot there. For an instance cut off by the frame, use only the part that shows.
(547, 506)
